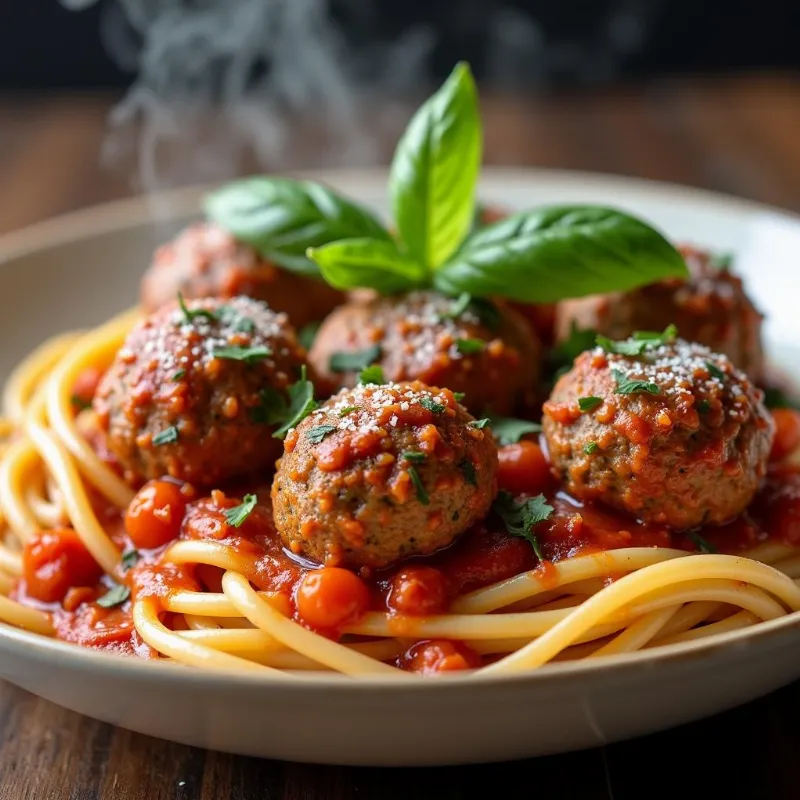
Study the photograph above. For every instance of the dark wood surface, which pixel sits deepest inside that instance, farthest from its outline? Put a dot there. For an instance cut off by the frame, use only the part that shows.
(739, 135)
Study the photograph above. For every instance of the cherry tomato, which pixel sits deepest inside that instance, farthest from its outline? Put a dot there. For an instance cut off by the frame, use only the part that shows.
(418, 591)
(154, 516)
(56, 560)
(330, 597)
(523, 468)
(787, 433)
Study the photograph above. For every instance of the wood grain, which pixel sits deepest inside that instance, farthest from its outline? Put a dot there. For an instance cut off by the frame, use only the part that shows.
(737, 135)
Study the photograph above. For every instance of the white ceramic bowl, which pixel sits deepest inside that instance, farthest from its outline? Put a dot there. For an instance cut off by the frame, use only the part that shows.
(78, 270)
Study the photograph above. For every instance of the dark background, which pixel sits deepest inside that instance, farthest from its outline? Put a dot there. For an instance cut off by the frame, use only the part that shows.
(45, 45)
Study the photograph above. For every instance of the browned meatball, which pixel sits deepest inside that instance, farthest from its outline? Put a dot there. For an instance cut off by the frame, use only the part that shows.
(711, 307)
(487, 352)
(676, 435)
(192, 391)
(381, 473)
(206, 261)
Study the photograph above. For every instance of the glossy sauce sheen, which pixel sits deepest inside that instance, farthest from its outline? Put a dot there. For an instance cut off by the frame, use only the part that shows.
(326, 599)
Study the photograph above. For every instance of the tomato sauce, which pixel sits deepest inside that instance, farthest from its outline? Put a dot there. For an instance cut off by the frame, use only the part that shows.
(60, 576)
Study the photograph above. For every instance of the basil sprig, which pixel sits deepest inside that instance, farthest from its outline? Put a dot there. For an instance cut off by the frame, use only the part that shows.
(282, 218)
(538, 256)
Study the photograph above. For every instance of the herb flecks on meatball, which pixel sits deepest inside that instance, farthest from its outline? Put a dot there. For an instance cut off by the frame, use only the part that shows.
(483, 349)
(206, 261)
(675, 435)
(710, 307)
(381, 473)
(195, 389)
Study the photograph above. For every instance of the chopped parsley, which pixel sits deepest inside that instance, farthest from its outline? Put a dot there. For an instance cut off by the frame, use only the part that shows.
(115, 596)
(422, 495)
(639, 342)
(301, 404)
(347, 410)
(459, 306)
(238, 514)
(307, 334)
(271, 409)
(372, 374)
(431, 405)
(715, 371)
(244, 325)
(777, 398)
(590, 448)
(247, 354)
(628, 386)
(480, 424)
(129, 559)
(167, 436)
(703, 407)
(588, 403)
(721, 261)
(414, 455)
(520, 516)
(468, 468)
(703, 545)
(319, 432)
(197, 313)
(459, 396)
(178, 375)
(468, 347)
(355, 360)
(508, 430)
(79, 404)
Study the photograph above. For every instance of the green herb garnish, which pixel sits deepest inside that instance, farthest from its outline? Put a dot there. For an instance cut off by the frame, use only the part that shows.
(347, 410)
(508, 430)
(459, 305)
(777, 398)
(520, 516)
(307, 334)
(316, 434)
(79, 404)
(430, 404)
(715, 371)
(468, 347)
(271, 410)
(422, 495)
(721, 261)
(178, 375)
(129, 559)
(372, 375)
(355, 360)
(167, 436)
(588, 403)
(703, 407)
(459, 396)
(480, 424)
(414, 455)
(247, 354)
(238, 514)
(541, 255)
(627, 386)
(198, 313)
(115, 596)
(703, 545)
(590, 447)
(301, 404)
(639, 342)
(468, 469)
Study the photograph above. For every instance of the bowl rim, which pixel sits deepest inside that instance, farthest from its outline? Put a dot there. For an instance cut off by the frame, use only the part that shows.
(137, 210)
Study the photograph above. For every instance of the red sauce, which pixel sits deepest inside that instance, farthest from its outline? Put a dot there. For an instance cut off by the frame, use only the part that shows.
(60, 576)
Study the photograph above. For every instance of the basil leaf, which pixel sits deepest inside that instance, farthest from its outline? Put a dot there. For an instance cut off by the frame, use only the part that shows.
(282, 218)
(435, 171)
(557, 252)
(508, 430)
(301, 404)
(369, 264)
(115, 596)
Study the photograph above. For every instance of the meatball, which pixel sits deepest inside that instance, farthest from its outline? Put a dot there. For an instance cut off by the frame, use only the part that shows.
(206, 261)
(193, 391)
(485, 351)
(381, 473)
(675, 436)
(711, 307)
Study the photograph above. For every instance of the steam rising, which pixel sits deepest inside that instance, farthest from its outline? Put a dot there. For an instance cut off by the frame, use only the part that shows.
(227, 87)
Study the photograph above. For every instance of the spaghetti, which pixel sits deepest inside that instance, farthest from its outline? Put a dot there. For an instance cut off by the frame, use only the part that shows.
(230, 602)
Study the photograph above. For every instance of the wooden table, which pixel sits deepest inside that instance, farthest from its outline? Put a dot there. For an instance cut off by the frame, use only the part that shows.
(738, 135)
